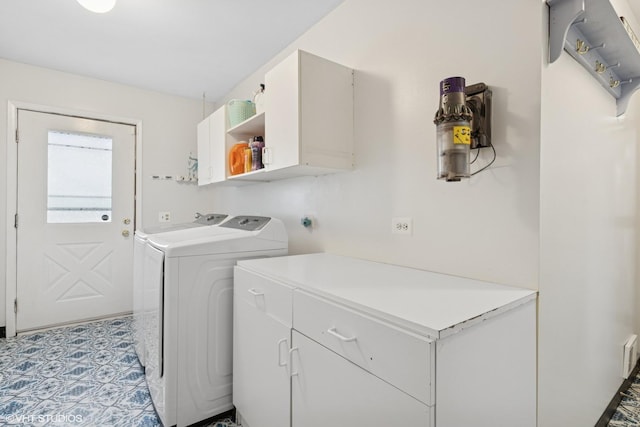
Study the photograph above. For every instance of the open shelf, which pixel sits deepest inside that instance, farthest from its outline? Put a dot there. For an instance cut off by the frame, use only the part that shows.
(254, 125)
(594, 35)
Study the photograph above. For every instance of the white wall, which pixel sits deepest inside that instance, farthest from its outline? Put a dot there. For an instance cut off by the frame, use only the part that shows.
(587, 243)
(485, 228)
(168, 135)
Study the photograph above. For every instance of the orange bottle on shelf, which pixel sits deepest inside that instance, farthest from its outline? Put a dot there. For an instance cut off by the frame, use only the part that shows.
(236, 158)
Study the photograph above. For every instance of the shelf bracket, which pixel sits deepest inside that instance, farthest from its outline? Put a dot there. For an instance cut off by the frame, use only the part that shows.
(627, 91)
(562, 14)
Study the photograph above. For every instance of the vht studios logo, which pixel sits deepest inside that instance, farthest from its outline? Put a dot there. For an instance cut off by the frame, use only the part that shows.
(43, 418)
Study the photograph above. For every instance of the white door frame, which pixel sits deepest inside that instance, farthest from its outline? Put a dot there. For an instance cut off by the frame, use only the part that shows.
(12, 189)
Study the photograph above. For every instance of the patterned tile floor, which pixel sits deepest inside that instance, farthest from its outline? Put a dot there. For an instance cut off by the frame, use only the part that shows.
(86, 375)
(89, 375)
(628, 412)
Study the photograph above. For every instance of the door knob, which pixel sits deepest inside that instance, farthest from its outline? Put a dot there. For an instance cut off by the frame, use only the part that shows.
(125, 233)
(126, 221)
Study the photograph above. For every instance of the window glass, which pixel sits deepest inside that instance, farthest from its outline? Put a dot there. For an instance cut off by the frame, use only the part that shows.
(79, 178)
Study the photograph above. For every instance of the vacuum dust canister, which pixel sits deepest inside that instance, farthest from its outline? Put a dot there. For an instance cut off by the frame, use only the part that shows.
(453, 130)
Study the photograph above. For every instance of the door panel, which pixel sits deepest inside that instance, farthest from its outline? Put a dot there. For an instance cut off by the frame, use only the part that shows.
(76, 185)
(282, 124)
(261, 384)
(328, 390)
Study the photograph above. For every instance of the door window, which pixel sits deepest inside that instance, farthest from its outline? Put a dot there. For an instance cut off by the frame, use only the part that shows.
(79, 178)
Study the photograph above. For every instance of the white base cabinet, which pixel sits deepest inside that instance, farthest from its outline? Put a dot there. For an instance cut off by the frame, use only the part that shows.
(376, 345)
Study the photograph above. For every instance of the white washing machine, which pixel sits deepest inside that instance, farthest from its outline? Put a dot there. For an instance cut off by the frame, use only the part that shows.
(189, 359)
(139, 242)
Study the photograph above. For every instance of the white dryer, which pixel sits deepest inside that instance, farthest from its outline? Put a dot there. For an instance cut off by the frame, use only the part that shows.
(189, 361)
(139, 242)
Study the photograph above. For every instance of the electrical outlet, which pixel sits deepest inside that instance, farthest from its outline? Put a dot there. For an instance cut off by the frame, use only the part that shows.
(402, 225)
(164, 216)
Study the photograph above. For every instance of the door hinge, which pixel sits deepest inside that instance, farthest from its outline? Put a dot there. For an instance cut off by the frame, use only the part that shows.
(15, 221)
(15, 305)
(17, 139)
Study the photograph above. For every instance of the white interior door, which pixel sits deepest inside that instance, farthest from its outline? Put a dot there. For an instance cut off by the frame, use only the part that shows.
(75, 219)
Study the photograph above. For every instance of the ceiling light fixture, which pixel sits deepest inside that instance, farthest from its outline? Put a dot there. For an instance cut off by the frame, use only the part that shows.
(98, 6)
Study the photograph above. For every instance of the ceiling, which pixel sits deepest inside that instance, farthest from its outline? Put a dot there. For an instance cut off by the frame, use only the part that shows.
(181, 47)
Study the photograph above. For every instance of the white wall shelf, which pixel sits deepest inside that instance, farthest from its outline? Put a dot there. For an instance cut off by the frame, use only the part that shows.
(176, 178)
(594, 35)
(254, 125)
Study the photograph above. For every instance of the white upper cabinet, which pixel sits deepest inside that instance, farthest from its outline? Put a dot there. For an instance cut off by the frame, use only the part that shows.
(307, 124)
(211, 148)
(204, 152)
(309, 121)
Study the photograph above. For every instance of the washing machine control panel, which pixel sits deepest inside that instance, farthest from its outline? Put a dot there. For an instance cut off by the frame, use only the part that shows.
(210, 219)
(248, 223)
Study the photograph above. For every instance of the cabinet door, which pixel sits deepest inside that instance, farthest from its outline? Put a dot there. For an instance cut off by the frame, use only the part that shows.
(328, 390)
(217, 148)
(326, 113)
(282, 126)
(261, 382)
(212, 162)
(204, 152)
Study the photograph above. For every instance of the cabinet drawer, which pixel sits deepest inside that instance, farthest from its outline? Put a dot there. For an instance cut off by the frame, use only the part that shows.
(273, 298)
(399, 357)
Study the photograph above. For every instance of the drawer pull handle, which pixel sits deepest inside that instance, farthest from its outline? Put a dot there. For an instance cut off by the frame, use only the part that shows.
(332, 331)
(255, 293)
(280, 362)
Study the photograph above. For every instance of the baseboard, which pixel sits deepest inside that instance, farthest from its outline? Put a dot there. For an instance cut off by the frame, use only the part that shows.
(613, 405)
(74, 323)
(3, 331)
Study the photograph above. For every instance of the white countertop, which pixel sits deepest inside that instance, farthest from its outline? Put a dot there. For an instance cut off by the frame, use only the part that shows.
(431, 304)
